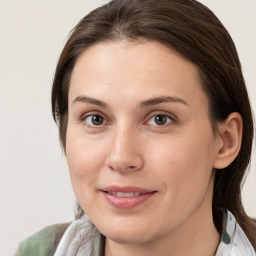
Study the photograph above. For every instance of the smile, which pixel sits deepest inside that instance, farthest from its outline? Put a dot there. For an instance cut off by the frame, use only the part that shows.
(126, 197)
(124, 194)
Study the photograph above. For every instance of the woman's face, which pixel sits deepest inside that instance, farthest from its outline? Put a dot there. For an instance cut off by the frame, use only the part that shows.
(140, 146)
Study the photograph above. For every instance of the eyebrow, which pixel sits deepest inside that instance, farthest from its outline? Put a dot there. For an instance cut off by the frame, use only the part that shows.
(146, 103)
(163, 99)
(90, 101)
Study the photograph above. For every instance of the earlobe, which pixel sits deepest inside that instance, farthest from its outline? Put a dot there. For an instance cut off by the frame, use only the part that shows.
(230, 133)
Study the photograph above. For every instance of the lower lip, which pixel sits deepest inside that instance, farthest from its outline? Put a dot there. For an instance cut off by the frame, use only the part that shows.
(127, 202)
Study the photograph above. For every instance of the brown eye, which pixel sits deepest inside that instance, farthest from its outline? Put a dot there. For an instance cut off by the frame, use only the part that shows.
(95, 120)
(160, 119)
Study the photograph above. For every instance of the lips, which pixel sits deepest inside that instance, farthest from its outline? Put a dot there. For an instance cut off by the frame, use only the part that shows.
(126, 197)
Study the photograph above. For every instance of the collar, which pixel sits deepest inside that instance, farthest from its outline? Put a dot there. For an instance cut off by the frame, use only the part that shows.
(233, 241)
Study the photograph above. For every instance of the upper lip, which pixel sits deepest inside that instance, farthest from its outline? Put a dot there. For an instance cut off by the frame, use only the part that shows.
(126, 189)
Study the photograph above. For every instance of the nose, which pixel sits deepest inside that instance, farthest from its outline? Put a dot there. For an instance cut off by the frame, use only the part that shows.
(125, 154)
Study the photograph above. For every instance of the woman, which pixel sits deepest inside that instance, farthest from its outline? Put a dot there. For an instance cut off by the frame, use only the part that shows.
(156, 125)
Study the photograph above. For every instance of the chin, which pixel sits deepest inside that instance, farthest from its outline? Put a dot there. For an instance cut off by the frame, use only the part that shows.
(128, 234)
(131, 238)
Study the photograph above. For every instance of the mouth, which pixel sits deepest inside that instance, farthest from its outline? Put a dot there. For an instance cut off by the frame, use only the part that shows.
(126, 197)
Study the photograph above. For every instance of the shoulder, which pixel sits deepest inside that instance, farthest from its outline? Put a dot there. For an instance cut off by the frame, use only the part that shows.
(44, 242)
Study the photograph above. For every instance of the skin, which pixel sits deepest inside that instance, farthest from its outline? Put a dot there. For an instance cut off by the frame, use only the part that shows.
(129, 148)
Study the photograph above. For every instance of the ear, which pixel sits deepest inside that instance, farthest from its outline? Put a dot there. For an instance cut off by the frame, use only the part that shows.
(230, 133)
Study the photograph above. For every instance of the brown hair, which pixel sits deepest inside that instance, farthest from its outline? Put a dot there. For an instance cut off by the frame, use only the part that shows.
(193, 31)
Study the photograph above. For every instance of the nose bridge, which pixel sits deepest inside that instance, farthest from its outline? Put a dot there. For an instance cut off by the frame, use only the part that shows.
(125, 153)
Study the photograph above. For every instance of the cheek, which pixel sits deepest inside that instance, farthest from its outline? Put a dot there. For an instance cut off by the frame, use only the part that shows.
(84, 158)
(184, 163)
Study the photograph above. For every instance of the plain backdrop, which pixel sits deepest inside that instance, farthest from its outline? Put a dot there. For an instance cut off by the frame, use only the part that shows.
(35, 190)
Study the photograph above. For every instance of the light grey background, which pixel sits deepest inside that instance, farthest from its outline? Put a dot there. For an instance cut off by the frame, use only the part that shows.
(35, 190)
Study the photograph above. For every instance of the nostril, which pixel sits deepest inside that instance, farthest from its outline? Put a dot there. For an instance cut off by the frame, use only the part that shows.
(122, 168)
(127, 161)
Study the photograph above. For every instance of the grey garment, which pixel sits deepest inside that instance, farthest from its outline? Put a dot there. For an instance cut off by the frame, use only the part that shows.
(43, 243)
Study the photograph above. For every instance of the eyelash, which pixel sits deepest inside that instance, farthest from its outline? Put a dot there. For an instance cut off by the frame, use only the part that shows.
(166, 117)
(84, 118)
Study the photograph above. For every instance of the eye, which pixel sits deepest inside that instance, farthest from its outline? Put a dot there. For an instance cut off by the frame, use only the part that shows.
(94, 120)
(160, 119)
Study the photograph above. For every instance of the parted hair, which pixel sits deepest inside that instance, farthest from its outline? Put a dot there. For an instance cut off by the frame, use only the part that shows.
(193, 31)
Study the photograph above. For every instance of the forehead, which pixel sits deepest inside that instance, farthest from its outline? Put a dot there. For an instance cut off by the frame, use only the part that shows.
(148, 68)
